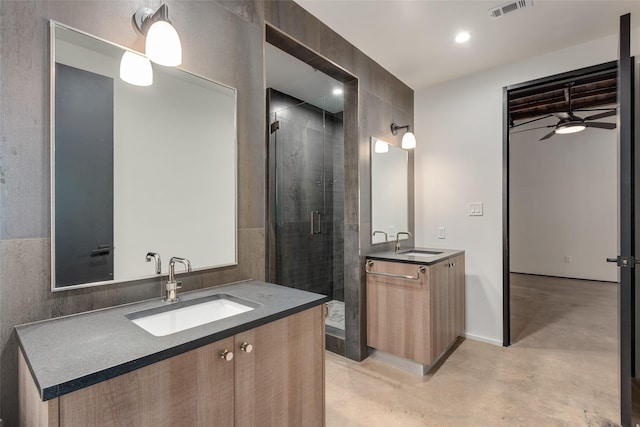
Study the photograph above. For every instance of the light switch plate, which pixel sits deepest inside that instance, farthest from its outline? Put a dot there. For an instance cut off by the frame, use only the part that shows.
(441, 233)
(475, 209)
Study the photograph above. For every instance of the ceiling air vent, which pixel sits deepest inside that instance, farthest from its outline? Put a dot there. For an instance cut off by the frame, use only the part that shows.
(512, 6)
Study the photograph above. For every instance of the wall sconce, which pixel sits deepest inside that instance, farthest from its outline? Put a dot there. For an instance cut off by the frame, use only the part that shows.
(136, 69)
(163, 43)
(408, 139)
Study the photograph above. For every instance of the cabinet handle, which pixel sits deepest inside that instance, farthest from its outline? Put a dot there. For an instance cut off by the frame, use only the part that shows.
(421, 269)
(226, 355)
(246, 347)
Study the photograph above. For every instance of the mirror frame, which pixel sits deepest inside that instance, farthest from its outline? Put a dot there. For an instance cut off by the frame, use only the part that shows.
(52, 61)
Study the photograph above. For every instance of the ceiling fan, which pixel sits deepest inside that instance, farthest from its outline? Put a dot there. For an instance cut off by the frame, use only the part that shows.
(571, 123)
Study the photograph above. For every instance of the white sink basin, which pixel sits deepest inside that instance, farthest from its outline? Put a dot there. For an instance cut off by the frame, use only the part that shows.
(184, 315)
(422, 254)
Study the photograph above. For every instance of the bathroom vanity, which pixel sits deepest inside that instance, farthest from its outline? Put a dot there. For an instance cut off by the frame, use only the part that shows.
(415, 303)
(264, 366)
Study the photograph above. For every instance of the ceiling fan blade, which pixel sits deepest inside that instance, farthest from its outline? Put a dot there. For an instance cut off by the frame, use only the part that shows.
(527, 130)
(547, 136)
(599, 125)
(531, 121)
(602, 115)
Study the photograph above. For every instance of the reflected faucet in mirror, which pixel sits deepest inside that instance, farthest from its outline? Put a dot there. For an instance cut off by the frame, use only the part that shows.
(386, 237)
(406, 233)
(156, 257)
(172, 285)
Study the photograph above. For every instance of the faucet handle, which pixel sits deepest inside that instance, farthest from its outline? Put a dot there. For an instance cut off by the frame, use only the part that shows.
(179, 284)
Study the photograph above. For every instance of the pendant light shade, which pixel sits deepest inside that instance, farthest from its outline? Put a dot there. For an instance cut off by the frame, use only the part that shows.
(135, 69)
(408, 141)
(163, 44)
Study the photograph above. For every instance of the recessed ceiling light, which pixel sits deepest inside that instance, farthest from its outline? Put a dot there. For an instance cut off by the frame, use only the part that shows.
(463, 37)
(337, 91)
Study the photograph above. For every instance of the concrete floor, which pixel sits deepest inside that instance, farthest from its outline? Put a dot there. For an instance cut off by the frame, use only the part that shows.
(562, 369)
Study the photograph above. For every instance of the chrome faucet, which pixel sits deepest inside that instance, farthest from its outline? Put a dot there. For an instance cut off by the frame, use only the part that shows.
(386, 237)
(172, 286)
(398, 239)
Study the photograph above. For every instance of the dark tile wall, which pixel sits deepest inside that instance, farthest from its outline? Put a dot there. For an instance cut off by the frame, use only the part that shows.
(223, 41)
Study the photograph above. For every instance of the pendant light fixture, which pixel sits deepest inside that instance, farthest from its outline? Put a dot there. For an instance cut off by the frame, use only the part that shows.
(408, 139)
(163, 43)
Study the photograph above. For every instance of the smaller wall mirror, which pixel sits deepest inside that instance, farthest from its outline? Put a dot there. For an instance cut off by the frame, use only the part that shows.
(389, 191)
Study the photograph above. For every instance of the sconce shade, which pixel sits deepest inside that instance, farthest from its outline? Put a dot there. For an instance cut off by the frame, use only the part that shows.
(135, 69)
(408, 141)
(163, 44)
(381, 147)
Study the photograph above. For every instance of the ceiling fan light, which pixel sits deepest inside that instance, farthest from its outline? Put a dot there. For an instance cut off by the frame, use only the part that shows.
(408, 141)
(570, 128)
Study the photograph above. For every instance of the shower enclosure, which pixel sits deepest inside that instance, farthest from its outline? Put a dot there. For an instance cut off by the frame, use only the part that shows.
(306, 198)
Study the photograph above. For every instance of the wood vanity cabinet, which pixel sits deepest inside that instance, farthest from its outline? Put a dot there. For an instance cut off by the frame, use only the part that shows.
(276, 378)
(419, 318)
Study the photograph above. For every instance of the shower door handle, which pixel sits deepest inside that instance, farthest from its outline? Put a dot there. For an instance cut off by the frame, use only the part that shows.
(316, 222)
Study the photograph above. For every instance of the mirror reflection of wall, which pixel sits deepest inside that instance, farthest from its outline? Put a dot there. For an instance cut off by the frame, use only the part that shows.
(389, 191)
(137, 169)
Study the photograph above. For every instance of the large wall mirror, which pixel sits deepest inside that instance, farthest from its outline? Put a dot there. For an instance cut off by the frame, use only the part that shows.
(136, 169)
(389, 191)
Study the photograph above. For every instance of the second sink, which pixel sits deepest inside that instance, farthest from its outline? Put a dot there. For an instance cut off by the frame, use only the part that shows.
(184, 315)
(420, 253)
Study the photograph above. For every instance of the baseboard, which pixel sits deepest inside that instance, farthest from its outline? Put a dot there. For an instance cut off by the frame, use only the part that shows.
(563, 277)
(482, 339)
(399, 362)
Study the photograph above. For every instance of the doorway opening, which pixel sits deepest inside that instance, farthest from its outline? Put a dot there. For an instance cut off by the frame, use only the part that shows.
(309, 102)
(551, 169)
(560, 222)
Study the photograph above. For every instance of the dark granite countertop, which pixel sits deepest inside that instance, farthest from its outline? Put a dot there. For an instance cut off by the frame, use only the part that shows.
(69, 353)
(402, 256)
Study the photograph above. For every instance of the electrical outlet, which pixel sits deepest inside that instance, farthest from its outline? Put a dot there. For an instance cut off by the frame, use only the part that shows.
(475, 209)
(441, 233)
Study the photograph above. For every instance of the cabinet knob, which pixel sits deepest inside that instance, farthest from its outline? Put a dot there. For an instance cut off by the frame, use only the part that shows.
(226, 355)
(245, 346)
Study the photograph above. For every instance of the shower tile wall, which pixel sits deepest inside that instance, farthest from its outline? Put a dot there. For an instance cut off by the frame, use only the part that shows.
(310, 177)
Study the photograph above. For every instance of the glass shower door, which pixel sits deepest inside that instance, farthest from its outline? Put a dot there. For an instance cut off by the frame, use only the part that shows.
(306, 145)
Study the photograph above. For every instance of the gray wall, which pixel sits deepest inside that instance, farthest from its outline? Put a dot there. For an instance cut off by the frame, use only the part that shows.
(223, 41)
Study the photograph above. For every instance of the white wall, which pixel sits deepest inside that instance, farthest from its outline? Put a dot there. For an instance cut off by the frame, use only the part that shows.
(459, 160)
(563, 203)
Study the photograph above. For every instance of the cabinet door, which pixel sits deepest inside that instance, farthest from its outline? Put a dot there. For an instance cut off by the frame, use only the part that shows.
(281, 381)
(441, 304)
(194, 389)
(447, 303)
(398, 319)
(457, 280)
